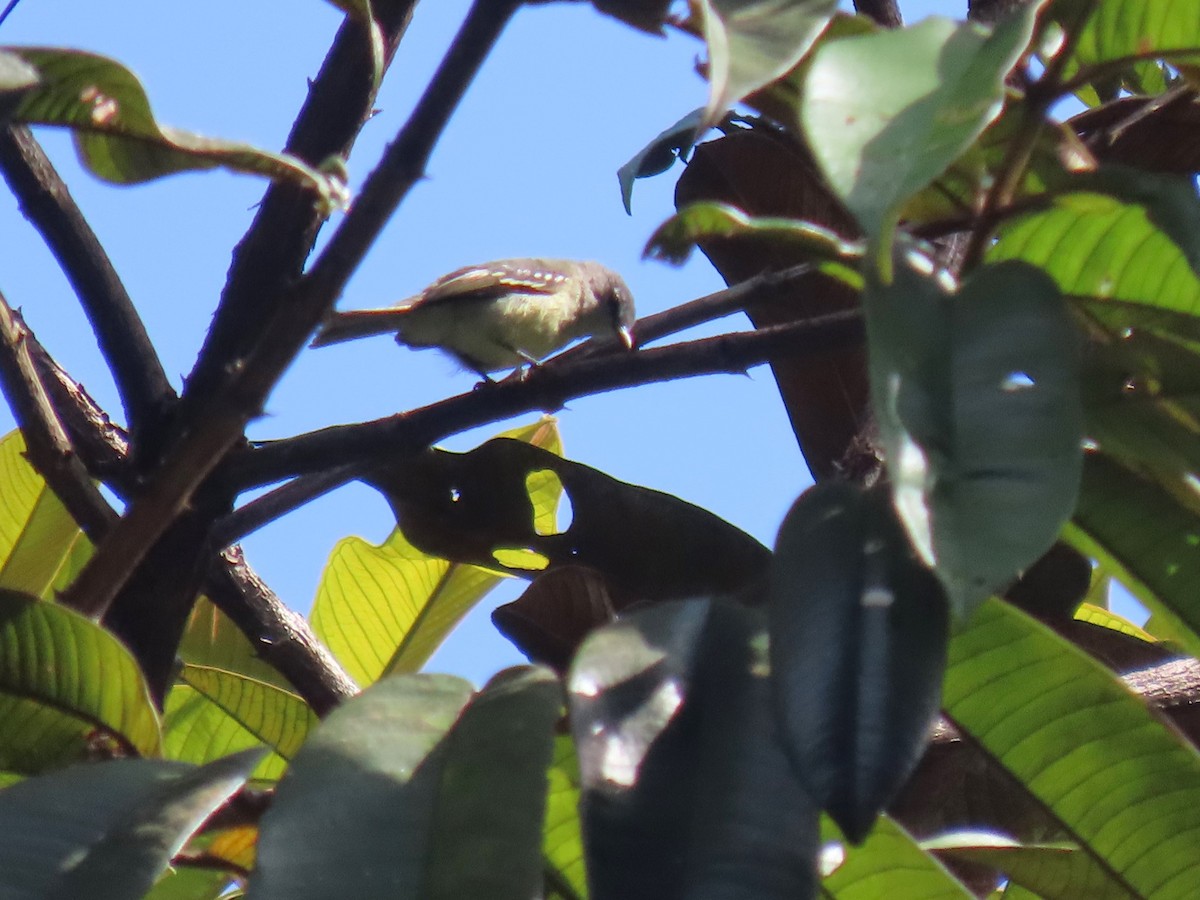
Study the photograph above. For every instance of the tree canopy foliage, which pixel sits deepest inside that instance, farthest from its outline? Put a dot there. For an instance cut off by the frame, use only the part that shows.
(984, 322)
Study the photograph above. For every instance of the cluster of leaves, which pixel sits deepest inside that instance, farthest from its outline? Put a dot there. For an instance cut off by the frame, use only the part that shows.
(1028, 297)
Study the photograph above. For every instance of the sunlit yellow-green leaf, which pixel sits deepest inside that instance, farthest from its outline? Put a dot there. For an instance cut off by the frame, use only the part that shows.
(41, 547)
(386, 608)
(1124, 784)
(64, 683)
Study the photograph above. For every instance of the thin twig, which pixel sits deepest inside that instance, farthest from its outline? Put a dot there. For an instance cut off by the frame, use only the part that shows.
(145, 391)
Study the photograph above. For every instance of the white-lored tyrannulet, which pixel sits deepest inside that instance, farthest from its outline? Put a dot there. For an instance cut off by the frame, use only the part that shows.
(501, 314)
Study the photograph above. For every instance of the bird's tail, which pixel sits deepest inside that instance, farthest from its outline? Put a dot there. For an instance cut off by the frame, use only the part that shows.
(346, 326)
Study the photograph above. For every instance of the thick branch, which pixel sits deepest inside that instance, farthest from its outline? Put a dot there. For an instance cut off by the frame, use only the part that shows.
(46, 443)
(222, 420)
(270, 257)
(545, 388)
(281, 637)
(145, 392)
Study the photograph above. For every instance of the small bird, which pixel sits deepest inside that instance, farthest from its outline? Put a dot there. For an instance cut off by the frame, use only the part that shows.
(501, 315)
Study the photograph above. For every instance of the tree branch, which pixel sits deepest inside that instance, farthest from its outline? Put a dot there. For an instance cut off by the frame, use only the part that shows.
(885, 12)
(281, 637)
(546, 388)
(146, 393)
(46, 443)
(270, 257)
(221, 421)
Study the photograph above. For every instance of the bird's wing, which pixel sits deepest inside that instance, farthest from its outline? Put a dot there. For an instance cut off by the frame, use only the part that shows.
(532, 276)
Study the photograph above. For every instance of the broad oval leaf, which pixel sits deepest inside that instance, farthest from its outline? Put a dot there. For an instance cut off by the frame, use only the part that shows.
(978, 401)
(1126, 786)
(119, 139)
(63, 682)
(414, 789)
(474, 507)
(886, 113)
(686, 790)
(106, 831)
(858, 644)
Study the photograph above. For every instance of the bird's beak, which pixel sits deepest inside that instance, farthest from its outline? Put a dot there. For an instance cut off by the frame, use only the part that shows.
(626, 335)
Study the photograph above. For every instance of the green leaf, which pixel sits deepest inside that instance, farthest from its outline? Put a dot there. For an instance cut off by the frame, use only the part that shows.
(62, 678)
(403, 793)
(889, 856)
(1117, 29)
(660, 154)
(212, 713)
(40, 545)
(858, 644)
(117, 136)
(674, 239)
(562, 835)
(686, 790)
(385, 609)
(1093, 755)
(977, 398)
(1054, 871)
(211, 639)
(106, 831)
(753, 42)
(1147, 538)
(190, 884)
(487, 825)
(886, 113)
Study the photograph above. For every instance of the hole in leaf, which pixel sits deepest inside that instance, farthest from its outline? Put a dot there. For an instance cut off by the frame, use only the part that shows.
(552, 513)
(1016, 381)
(520, 558)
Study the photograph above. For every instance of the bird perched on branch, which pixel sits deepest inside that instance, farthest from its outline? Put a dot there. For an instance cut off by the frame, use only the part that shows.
(500, 315)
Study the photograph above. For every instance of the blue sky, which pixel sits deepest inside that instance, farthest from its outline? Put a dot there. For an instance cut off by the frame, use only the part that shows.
(526, 168)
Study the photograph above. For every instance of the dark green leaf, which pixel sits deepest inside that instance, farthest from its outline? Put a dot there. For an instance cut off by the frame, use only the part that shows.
(117, 135)
(403, 792)
(660, 154)
(886, 113)
(858, 644)
(476, 507)
(106, 831)
(977, 398)
(686, 791)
